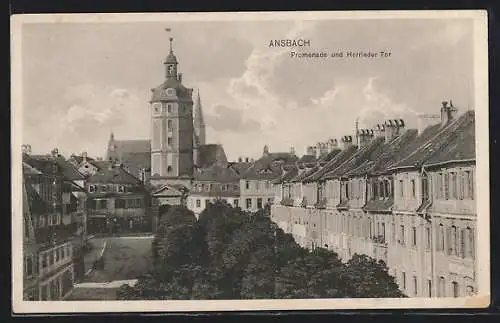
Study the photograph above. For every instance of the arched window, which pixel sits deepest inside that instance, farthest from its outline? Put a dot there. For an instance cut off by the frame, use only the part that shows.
(442, 287)
(456, 289)
(469, 243)
(454, 241)
(169, 169)
(469, 291)
(440, 246)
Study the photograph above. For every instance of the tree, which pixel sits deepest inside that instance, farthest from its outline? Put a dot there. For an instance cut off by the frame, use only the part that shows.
(369, 278)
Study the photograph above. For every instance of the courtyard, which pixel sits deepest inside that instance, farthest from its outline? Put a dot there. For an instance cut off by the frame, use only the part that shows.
(125, 258)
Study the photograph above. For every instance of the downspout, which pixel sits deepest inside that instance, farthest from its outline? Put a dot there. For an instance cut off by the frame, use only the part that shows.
(433, 235)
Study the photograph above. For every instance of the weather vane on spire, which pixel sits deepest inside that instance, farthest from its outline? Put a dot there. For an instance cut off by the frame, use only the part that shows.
(170, 38)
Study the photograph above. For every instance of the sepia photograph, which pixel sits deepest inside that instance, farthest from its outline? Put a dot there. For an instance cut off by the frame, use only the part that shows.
(250, 161)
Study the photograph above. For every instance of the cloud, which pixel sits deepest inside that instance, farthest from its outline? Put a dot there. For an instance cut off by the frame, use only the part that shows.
(229, 119)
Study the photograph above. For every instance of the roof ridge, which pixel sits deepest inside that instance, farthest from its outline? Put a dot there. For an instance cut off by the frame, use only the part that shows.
(458, 122)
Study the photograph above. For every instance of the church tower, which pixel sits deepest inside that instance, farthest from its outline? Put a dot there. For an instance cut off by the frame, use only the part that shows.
(171, 128)
(199, 138)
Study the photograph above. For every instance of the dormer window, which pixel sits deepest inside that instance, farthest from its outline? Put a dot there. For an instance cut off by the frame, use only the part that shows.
(121, 189)
(92, 188)
(104, 188)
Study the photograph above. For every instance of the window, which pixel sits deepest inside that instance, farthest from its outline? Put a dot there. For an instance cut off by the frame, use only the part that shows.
(102, 204)
(259, 203)
(428, 238)
(44, 261)
(198, 203)
(453, 185)
(413, 188)
(401, 188)
(469, 243)
(446, 186)
(383, 231)
(249, 203)
(393, 232)
(121, 189)
(403, 279)
(414, 236)
(92, 188)
(375, 190)
(169, 169)
(387, 192)
(415, 285)
(429, 288)
(440, 246)
(470, 291)
(57, 254)
(442, 287)
(470, 184)
(247, 185)
(169, 141)
(456, 289)
(170, 125)
(267, 185)
(425, 188)
(453, 241)
(206, 203)
(169, 108)
(402, 234)
(104, 188)
(236, 202)
(270, 201)
(439, 186)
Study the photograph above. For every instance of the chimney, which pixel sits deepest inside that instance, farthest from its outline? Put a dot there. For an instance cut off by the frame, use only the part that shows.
(331, 145)
(448, 112)
(292, 150)
(346, 142)
(318, 149)
(379, 130)
(84, 155)
(240, 159)
(55, 152)
(26, 149)
(364, 137)
(426, 120)
(393, 128)
(310, 150)
(266, 150)
(179, 77)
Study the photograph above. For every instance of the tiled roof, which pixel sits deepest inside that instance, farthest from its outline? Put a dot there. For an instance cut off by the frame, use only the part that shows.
(307, 159)
(210, 154)
(218, 172)
(79, 159)
(326, 158)
(368, 152)
(101, 163)
(44, 164)
(384, 205)
(432, 147)
(240, 167)
(269, 166)
(287, 175)
(306, 173)
(335, 162)
(462, 146)
(115, 175)
(132, 146)
(134, 163)
(159, 93)
(36, 204)
(385, 155)
(28, 170)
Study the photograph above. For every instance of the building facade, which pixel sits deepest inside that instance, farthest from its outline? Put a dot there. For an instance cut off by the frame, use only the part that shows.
(404, 196)
(55, 231)
(117, 201)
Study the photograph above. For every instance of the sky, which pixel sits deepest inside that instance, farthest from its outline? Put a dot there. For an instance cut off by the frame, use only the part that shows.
(80, 81)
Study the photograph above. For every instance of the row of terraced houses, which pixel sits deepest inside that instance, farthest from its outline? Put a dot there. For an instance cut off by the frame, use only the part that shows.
(404, 196)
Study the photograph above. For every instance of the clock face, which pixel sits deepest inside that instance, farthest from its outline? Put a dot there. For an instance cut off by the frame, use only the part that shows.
(170, 91)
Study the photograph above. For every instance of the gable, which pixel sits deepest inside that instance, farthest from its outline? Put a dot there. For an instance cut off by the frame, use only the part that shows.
(167, 190)
(87, 168)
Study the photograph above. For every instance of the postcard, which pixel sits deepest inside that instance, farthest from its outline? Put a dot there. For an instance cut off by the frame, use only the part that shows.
(184, 162)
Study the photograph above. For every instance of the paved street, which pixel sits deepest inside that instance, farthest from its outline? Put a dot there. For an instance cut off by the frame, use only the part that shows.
(125, 259)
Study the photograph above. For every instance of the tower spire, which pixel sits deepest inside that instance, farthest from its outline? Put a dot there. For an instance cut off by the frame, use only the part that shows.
(199, 123)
